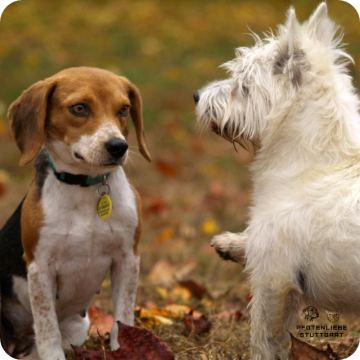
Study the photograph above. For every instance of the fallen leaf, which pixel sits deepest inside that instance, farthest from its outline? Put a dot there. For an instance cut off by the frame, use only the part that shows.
(156, 316)
(179, 311)
(162, 291)
(162, 273)
(180, 293)
(166, 274)
(165, 235)
(4, 180)
(100, 323)
(150, 305)
(195, 289)
(210, 227)
(303, 351)
(199, 325)
(167, 169)
(229, 314)
(155, 205)
(163, 320)
(135, 344)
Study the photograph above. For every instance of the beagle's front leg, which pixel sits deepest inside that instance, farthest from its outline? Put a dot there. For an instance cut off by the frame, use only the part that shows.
(42, 290)
(124, 280)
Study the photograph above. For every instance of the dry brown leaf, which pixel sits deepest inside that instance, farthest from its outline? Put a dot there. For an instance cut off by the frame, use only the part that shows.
(100, 323)
(229, 314)
(199, 325)
(303, 351)
(195, 289)
(135, 344)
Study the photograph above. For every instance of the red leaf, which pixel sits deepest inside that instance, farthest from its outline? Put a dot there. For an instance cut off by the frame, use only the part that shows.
(156, 206)
(135, 344)
(303, 351)
(167, 169)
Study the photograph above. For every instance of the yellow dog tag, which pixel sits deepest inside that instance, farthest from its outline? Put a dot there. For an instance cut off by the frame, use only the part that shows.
(104, 206)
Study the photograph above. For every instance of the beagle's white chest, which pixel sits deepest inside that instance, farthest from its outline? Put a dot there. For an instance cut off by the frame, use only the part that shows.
(79, 246)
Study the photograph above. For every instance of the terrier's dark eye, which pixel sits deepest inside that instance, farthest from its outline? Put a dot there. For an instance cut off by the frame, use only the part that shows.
(79, 110)
(124, 110)
(245, 89)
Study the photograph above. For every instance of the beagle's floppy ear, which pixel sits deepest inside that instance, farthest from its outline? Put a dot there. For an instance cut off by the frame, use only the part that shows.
(27, 117)
(136, 115)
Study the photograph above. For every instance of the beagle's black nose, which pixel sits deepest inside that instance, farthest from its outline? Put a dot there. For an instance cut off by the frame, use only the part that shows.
(196, 97)
(116, 147)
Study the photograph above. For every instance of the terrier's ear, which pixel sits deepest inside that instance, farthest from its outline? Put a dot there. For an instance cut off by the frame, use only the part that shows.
(327, 311)
(293, 30)
(339, 311)
(320, 27)
(291, 58)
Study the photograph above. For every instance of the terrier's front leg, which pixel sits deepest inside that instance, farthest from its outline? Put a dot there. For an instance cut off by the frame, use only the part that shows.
(231, 246)
(42, 291)
(124, 280)
(273, 308)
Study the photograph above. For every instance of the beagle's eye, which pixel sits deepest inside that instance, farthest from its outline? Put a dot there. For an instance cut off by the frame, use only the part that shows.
(79, 110)
(124, 110)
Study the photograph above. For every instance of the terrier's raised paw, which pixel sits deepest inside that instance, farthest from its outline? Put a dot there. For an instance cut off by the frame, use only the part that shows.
(230, 246)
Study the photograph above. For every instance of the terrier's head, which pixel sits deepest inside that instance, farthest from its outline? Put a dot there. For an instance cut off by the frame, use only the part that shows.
(266, 80)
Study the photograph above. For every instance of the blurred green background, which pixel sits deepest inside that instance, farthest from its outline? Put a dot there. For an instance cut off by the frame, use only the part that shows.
(197, 186)
(168, 48)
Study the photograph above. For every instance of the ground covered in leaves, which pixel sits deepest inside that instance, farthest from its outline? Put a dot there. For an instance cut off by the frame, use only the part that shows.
(187, 295)
(197, 185)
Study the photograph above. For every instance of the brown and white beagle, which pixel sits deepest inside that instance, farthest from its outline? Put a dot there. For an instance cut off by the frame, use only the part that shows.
(55, 250)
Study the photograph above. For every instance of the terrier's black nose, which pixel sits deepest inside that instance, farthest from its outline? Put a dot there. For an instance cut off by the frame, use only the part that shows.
(196, 97)
(116, 147)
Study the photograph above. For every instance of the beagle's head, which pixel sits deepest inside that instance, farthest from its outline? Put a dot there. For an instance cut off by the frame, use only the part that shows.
(81, 116)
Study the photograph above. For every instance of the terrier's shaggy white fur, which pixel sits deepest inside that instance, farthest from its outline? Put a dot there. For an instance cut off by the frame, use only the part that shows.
(291, 96)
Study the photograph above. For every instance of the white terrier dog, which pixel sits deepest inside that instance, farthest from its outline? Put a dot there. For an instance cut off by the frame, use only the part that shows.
(292, 98)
